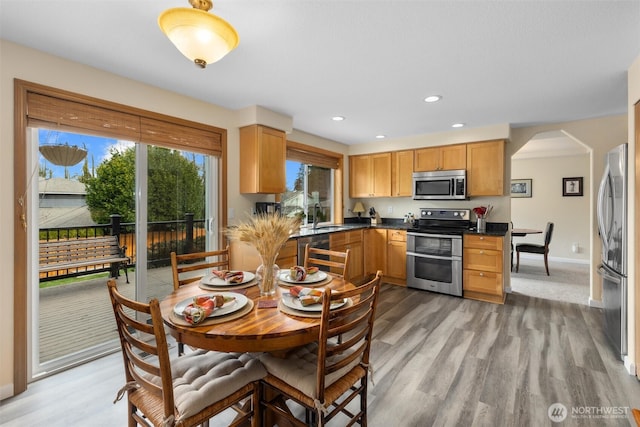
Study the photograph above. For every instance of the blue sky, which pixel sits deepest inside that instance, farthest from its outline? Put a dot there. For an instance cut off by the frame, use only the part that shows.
(97, 149)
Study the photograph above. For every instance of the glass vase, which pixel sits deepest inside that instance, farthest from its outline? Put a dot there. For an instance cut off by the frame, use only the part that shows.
(267, 277)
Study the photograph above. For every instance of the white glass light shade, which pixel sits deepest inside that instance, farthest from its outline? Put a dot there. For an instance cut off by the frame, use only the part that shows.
(199, 35)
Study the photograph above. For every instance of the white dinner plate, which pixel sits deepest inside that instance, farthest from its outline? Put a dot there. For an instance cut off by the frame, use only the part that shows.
(293, 302)
(316, 277)
(229, 307)
(213, 280)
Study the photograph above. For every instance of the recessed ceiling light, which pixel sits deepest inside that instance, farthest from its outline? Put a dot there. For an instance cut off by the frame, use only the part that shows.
(457, 125)
(337, 118)
(381, 136)
(433, 98)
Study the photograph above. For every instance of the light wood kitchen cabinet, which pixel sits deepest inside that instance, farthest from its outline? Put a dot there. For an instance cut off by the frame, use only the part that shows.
(288, 255)
(396, 271)
(375, 255)
(446, 157)
(352, 240)
(402, 173)
(485, 168)
(386, 250)
(483, 266)
(370, 175)
(244, 256)
(262, 160)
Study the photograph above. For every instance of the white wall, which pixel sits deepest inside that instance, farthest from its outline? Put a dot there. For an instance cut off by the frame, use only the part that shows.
(570, 215)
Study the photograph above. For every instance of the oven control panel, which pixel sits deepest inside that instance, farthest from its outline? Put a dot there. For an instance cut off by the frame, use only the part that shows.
(445, 214)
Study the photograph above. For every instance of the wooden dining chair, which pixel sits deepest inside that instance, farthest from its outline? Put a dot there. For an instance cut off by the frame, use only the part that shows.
(187, 390)
(323, 377)
(536, 249)
(188, 268)
(337, 261)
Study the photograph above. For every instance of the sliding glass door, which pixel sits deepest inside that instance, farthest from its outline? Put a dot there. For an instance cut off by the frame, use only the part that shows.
(154, 199)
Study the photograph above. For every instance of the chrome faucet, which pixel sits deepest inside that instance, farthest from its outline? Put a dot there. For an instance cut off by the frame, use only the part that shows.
(316, 211)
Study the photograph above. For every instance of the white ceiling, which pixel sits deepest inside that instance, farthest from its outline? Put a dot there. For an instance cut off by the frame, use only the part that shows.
(374, 61)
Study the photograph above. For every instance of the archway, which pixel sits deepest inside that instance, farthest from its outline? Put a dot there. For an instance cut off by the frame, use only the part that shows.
(548, 161)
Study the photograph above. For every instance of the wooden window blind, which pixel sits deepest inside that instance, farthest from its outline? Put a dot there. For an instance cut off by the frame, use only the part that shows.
(313, 156)
(102, 118)
(50, 112)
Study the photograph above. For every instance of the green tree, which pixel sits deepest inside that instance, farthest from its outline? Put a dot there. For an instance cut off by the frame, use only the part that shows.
(175, 187)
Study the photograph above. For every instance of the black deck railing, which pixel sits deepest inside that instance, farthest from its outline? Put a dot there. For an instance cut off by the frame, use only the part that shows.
(163, 237)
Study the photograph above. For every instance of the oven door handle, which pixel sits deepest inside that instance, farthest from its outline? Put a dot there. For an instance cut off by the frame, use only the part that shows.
(448, 258)
(445, 236)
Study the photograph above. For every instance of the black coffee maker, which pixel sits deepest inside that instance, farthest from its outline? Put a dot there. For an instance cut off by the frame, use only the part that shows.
(267, 207)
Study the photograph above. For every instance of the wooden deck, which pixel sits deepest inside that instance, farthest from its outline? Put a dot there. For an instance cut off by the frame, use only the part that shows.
(78, 316)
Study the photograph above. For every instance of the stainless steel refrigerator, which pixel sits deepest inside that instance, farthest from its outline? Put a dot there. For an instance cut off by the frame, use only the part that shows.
(612, 225)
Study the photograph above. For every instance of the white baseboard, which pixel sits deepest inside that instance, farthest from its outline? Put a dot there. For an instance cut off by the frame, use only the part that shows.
(555, 259)
(6, 391)
(595, 303)
(629, 365)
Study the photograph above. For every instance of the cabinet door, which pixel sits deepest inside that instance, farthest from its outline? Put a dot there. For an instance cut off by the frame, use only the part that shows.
(263, 157)
(402, 173)
(396, 259)
(381, 174)
(453, 157)
(485, 168)
(426, 159)
(375, 256)
(356, 260)
(360, 184)
(288, 255)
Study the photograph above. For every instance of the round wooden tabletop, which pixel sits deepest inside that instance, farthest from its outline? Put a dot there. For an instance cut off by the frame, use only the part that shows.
(262, 329)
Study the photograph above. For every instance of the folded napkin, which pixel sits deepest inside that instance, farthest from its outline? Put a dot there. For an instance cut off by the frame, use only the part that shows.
(229, 276)
(299, 273)
(203, 306)
(307, 296)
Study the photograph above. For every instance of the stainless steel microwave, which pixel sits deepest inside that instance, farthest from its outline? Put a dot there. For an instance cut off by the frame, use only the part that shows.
(440, 185)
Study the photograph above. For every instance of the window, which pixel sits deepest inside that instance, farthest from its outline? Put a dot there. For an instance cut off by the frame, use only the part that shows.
(313, 182)
(309, 192)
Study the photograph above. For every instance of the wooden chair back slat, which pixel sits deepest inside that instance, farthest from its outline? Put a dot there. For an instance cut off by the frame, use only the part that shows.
(346, 332)
(187, 263)
(132, 345)
(337, 261)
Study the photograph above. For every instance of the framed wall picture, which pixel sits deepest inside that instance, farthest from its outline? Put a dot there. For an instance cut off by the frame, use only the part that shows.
(572, 186)
(521, 188)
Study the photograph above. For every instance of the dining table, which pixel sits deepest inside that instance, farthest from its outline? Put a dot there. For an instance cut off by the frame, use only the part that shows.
(263, 324)
(521, 232)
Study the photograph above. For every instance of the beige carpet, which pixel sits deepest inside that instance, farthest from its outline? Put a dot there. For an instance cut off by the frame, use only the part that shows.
(568, 282)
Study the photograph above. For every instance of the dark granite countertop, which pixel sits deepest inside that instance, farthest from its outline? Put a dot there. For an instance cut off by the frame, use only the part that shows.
(493, 228)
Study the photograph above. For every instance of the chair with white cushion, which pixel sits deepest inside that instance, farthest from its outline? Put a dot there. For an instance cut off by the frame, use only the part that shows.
(187, 390)
(325, 376)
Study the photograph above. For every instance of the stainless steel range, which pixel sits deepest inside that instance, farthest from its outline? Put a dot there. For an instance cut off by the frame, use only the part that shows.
(434, 250)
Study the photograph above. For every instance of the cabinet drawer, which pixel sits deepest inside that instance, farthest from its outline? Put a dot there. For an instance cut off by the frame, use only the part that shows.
(482, 281)
(482, 241)
(397, 235)
(345, 237)
(482, 259)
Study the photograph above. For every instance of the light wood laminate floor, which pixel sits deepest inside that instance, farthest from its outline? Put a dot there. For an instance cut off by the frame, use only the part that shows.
(437, 360)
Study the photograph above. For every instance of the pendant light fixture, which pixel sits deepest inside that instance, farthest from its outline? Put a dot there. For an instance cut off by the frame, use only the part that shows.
(201, 36)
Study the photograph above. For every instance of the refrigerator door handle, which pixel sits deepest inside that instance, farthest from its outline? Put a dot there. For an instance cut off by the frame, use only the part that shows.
(603, 228)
